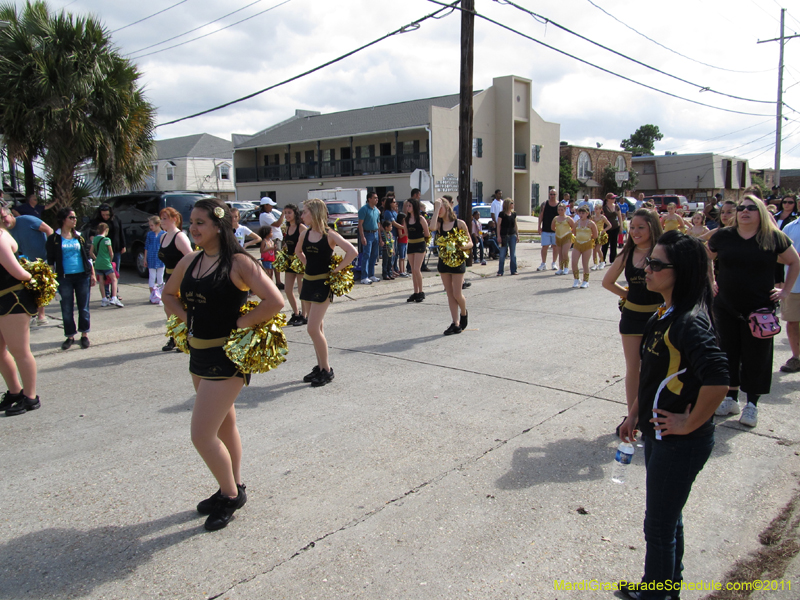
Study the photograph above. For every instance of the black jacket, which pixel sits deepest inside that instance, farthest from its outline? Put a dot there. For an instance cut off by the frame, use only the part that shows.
(54, 257)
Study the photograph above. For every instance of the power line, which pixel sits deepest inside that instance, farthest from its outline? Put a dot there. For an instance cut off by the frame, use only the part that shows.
(212, 32)
(600, 8)
(413, 26)
(586, 62)
(702, 88)
(193, 30)
(724, 135)
(150, 16)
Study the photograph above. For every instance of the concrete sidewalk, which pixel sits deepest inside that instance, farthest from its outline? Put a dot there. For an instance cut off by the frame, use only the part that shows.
(469, 466)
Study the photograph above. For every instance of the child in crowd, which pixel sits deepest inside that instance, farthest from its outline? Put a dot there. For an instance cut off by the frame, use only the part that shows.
(672, 220)
(603, 225)
(155, 266)
(698, 228)
(102, 251)
(477, 237)
(585, 232)
(387, 249)
(562, 225)
(267, 250)
(402, 245)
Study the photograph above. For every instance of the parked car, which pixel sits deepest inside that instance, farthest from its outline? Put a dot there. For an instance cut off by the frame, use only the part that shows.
(343, 217)
(661, 201)
(134, 209)
(247, 210)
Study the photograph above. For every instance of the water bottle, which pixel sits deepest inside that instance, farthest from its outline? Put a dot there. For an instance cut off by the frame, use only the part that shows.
(621, 462)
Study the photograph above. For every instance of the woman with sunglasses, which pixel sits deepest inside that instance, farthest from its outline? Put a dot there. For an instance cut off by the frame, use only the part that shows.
(684, 377)
(639, 303)
(746, 255)
(68, 253)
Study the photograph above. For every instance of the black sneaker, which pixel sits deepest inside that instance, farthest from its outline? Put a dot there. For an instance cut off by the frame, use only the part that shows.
(412, 297)
(223, 509)
(67, 343)
(452, 329)
(311, 376)
(205, 507)
(300, 320)
(305, 320)
(323, 378)
(280, 286)
(466, 284)
(23, 405)
(169, 346)
(293, 320)
(85, 343)
(9, 399)
(420, 297)
(463, 321)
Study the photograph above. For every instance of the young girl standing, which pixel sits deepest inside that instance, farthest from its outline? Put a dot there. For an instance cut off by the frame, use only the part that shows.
(585, 232)
(267, 249)
(402, 245)
(603, 225)
(291, 214)
(672, 220)
(698, 228)
(155, 266)
(562, 225)
(418, 231)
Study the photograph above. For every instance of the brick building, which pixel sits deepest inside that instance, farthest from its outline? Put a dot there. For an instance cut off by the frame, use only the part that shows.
(588, 165)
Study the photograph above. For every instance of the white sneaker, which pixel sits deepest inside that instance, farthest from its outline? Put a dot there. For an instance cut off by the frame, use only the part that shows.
(594, 267)
(366, 281)
(577, 284)
(561, 272)
(601, 266)
(115, 301)
(41, 322)
(104, 302)
(542, 267)
(553, 267)
(373, 278)
(749, 415)
(729, 406)
(584, 285)
(160, 303)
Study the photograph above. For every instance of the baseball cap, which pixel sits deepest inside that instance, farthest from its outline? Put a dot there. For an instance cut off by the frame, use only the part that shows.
(268, 200)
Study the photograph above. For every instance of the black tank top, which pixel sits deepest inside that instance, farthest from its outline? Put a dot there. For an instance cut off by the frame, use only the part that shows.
(7, 280)
(318, 255)
(212, 309)
(637, 287)
(169, 254)
(441, 230)
(290, 241)
(414, 231)
(611, 215)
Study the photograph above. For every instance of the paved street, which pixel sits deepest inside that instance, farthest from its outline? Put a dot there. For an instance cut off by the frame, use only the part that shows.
(469, 466)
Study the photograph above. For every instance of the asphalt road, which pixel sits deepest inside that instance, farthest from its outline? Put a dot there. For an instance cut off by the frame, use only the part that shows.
(469, 466)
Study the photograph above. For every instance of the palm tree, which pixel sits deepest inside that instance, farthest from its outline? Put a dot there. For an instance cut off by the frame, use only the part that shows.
(78, 100)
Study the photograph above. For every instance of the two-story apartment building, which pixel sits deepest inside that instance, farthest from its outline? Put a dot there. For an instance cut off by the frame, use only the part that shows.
(378, 148)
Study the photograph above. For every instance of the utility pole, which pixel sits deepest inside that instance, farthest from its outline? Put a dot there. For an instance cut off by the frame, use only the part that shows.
(465, 111)
(779, 118)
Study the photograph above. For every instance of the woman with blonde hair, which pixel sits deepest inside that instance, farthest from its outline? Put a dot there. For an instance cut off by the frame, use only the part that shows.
(446, 222)
(746, 254)
(314, 249)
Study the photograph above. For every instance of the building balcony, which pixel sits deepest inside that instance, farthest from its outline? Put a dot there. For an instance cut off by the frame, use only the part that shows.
(376, 165)
(520, 161)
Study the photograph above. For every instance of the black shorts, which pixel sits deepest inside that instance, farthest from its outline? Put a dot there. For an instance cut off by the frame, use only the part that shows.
(316, 291)
(18, 302)
(443, 268)
(213, 363)
(633, 322)
(416, 248)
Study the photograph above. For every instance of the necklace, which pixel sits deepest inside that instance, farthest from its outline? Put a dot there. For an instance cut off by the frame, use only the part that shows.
(211, 255)
(200, 272)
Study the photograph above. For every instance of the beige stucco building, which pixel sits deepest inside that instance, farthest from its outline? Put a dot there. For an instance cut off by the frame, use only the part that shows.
(377, 148)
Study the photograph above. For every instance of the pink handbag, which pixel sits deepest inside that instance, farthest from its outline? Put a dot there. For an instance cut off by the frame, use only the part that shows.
(763, 323)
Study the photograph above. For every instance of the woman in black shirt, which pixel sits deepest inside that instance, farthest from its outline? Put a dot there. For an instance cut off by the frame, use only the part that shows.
(746, 256)
(509, 234)
(684, 377)
(294, 228)
(612, 212)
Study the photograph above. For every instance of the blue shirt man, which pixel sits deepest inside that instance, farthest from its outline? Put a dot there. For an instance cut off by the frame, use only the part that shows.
(31, 234)
(368, 217)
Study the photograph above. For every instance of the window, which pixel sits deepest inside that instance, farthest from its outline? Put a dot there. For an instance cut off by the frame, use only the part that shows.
(536, 153)
(534, 195)
(170, 173)
(649, 169)
(224, 171)
(477, 147)
(621, 166)
(584, 166)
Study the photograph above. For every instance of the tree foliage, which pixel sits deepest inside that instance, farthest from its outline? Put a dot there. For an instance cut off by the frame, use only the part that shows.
(66, 94)
(566, 183)
(643, 140)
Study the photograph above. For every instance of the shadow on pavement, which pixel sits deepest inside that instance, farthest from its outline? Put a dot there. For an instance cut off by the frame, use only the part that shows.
(397, 346)
(249, 397)
(98, 362)
(70, 563)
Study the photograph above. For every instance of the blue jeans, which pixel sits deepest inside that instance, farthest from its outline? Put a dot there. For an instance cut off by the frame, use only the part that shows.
(672, 466)
(369, 254)
(511, 249)
(74, 287)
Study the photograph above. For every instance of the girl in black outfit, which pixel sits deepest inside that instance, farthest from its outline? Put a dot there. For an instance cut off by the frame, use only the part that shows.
(640, 303)
(214, 283)
(418, 232)
(174, 246)
(452, 277)
(509, 233)
(16, 308)
(293, 230)
(745, 278)
(315, 249)
(613, 213)
(683, 379)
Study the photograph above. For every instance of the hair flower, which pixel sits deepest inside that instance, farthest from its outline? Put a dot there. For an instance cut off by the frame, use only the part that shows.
(219, 212)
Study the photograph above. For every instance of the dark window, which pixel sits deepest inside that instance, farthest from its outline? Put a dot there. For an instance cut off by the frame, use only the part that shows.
(276, 159)
(344, 153)
(386, 149)
(309, 156)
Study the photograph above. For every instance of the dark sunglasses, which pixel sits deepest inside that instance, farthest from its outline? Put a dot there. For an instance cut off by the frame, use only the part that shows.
(656, 265)
(788, 201)
(744, 207)
(72, 217)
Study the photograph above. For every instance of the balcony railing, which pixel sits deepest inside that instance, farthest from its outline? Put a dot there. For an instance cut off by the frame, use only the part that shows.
(519, 160)
(405, 163)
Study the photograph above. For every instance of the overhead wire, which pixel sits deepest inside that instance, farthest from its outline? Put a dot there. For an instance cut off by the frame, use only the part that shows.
(724, 135)
(702, 88)
(175, 37)
(212, 32)
(405, 28)
(608, 71)
(149, 16)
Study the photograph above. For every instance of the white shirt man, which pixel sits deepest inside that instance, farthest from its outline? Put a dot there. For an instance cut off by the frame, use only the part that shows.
(497, 205)
(267, 218)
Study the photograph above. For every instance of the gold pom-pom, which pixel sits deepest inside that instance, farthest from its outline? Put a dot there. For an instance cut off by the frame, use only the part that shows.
(177, 330)
(622, 301)
(297, 266)
(259, 348)
(341, 283)
(282, 261)
(42, 284)
(450, 247)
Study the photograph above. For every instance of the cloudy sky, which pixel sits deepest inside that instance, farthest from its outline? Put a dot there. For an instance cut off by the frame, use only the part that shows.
(279, 39)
